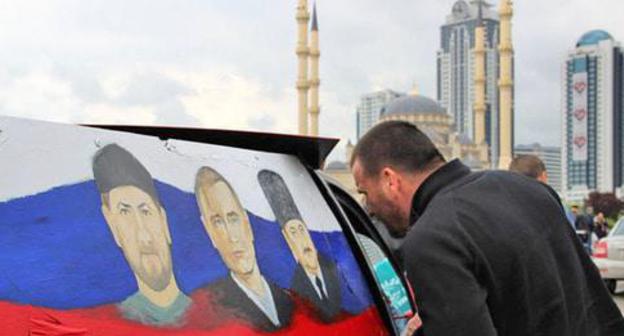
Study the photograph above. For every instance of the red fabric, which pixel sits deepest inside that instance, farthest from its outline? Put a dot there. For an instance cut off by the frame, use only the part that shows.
(105, 321)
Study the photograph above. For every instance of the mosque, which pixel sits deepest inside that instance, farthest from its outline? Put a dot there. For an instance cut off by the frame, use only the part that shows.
(308, 55)
(437, 124)
(425, 112)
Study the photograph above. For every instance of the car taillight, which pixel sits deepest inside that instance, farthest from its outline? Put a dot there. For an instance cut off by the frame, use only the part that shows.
(601, 250)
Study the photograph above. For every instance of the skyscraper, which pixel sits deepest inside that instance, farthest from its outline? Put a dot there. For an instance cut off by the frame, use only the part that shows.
(593, 116)
(369, 109)
(551, 156)
(456, 74)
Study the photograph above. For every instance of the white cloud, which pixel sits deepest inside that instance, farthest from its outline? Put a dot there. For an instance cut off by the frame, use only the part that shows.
(231, 64)
(110, 114)
(226, 99)
(39, 95)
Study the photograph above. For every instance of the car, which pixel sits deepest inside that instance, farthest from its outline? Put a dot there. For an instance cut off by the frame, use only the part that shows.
(381, 253)
(608, 255)
(119, 230)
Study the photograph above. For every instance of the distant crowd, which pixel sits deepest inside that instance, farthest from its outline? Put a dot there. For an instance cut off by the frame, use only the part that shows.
(590, 227)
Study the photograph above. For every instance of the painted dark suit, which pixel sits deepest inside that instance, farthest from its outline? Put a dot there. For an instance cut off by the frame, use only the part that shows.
(236, 304)
(328, 307)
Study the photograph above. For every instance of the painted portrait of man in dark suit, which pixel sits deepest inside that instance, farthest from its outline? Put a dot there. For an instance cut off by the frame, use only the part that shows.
(245, 292)
(316, 278)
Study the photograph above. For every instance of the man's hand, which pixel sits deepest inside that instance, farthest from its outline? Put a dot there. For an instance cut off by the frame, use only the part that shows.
(412, 325)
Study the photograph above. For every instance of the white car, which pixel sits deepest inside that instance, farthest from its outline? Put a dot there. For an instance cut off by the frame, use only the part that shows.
(608, 255)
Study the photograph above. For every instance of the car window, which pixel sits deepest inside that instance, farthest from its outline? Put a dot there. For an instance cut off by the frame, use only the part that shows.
(156, 236)
(390, 282)
(619, 229)
(383, 263)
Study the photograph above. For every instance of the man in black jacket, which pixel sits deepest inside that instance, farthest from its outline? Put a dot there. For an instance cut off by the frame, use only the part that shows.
(488, 253)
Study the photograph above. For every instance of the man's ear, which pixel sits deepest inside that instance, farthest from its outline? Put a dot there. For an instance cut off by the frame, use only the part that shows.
(108, 216)
(390, 179)
(165, 223)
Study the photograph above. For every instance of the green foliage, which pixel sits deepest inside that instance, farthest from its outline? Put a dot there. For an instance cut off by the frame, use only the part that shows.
(607, 203)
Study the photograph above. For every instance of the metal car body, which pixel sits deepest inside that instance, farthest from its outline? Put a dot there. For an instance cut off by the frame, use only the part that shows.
(86, 253)
(608, 255)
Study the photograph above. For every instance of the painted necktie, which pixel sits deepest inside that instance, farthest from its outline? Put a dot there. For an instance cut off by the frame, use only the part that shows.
(319, 285)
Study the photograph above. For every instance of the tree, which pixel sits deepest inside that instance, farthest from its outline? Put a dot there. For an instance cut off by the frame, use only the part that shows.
(606, 203)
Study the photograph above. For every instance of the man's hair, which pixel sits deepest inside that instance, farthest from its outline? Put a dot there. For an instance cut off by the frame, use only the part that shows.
(113, 167)
(398, 144)
(207, 177)
(528, 165)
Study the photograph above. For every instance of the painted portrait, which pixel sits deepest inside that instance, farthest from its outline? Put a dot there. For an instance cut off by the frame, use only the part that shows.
(316, 277)
(126, 234)
(138, 223)
(245, 291)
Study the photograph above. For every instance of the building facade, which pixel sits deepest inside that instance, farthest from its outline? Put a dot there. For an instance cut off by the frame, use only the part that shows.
(369, 109)
(593, 117)
(551, 156)
(433, 120)
(455, 69)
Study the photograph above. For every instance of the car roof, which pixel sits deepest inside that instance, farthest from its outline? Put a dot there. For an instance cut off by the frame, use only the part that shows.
(312, 151)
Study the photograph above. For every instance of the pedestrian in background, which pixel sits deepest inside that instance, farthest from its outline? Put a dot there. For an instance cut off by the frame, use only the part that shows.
(530, 166)
(475, 251)
(601, 229)
(584, 225)
(533, 167)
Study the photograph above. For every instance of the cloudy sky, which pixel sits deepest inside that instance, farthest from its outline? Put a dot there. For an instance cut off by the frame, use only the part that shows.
(231, 64)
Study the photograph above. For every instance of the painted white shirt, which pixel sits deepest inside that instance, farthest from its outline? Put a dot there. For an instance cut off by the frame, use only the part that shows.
(264, 302)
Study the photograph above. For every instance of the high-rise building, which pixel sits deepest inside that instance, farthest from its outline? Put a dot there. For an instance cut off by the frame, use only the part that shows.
(593, 117)
(369, 109)
(456, 69)
(551, 156)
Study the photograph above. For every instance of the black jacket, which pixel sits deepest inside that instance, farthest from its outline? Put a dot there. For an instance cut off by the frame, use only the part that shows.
(227, 294)
(327, 309)
(491, 253)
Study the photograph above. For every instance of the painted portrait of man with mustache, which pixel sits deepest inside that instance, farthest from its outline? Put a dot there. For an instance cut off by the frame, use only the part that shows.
(316, 277)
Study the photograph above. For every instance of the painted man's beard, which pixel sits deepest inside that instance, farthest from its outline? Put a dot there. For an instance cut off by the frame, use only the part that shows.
(154, 271)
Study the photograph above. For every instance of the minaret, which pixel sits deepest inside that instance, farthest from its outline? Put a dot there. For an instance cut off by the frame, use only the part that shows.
(303, 16)
(479, 79)
(506, 85)
(315, 54)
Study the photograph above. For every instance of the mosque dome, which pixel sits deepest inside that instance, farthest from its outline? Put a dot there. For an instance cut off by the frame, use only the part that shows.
(412, 104)
(593, 37)
(461, 10)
